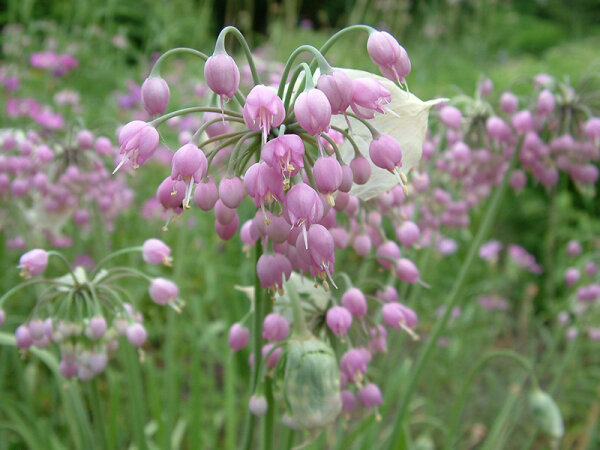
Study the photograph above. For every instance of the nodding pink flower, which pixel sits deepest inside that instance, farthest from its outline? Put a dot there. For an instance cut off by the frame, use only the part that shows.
(155, 95)
(354, 363)
(355, 302)
(489, 251)
(33, 263)
(408, 233)
(388, 252)
(522, 121)
(451, 116)
(190, 165)
(574, 248)
(509, 102)
(272, 269)
(370, 396)
(303, 207)
(231, 192)
(328, 176)
(285, 153)
(155, 251)
(23, 337)
(85, 139)
(388, 294)
(313, 111)
(217, 128)
(170, 194)
(222, 75)
(497, 128)
(337, 87)
(368, 97)
(407, 271)
(97, 327)
(389, 55)
(348, 401)
(339, 320)
(68, 369)
(36, 329)
(264, 184)
(362, 244)
(590, 268)
(340, 237)
(347, 180)
(206, 195)
(361, 170)
(227, 231)
(396, 315)
(545, 102)
(136, 334)
(278, 229)
(572, 276)
(385, 152)
(224, 214)
(275, 327)
(592, 129)
(163, 291)
(258, 405)
(263, 110)
(317, 251)
(239, 336)
(273, 357)
(138, 141)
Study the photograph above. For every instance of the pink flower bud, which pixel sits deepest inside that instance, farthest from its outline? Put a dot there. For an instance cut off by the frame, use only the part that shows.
(408, 233)
(271, 269)
(313, 111)
(258, 405)
(347, 180)
(238, 337)
(522, 121)
(275, 354)
(155, 95)
(33, 263)
(263, 110)
(136, 334)
(337, 87)
(275, 327)
(68, 369)
(284, 153)
(355, 302)
(385, 152)
(574, 248)
(85, 139)
(361, 170)
(318, 251)
(545, 102)
(451, 116)
(388, 294)
(222, 75)
(362, 244)
(303, 205)
(387, 251)
(389, 55)
(328, 174)
(407, 271)
(163, 291)
(138, 141)
(97, 327)
(517, 180)
(590, 269)
(206, 195)
(231, 192)
(264, 183)
(170, 194)
(339, 320)
(218, 128)
(592, 128)
(189, 162)
(572, 276)
(348, 401)
(370, 396)
(24, 339)
(354, 362)
(509, 102)
(227, 231)
(155, 251)
(224, 214)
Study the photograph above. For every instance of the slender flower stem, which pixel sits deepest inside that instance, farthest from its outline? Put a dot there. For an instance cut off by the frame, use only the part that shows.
(427, 350)
(66, 264)
(290, 90)
(323, 64)
(268, 435)
(240, 37)
(97, 413)
(333, 39)
(336, 150)
(156, 68)
(256, 347)
(350, 139)
(194, 109)
(374, 133)
(207, 124)
(462, 396)
(113, 255)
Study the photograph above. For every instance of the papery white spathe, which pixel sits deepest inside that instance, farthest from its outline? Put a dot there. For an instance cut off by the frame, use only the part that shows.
(407, 124)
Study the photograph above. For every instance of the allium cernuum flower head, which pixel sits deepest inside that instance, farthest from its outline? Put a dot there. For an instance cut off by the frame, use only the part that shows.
(389, 55)
(138, 141)
(263, 110)
(155, 95)
(155, 251)
(33, 262)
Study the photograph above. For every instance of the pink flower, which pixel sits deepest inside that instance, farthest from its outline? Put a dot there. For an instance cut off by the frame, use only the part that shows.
(33, 263)
(389, 55)
(263, 110)
(138, 141)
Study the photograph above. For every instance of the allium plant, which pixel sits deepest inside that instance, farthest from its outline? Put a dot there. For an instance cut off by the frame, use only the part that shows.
(323, 155)
(86, 314)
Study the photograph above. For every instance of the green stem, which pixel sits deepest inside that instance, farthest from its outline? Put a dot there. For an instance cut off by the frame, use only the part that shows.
(256, 347)
(66, 264)
(113, 255)
(462, 396)
(268, 435)
(350, 139)
(300, 329)
(194, 109)
(240, 37)
(97, 413)
(334, 146)
(136, 399)
(164, 56)
(290, 90)
(452, 299)
(323, 64)
(333, 39)
(374, 133)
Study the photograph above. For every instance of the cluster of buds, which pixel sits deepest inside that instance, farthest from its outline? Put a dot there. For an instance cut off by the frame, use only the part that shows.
(582, 280)
(323, 156)
(85, 314)
(47, 186)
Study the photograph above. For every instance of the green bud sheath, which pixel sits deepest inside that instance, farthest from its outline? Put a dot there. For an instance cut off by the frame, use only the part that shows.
(546, 414)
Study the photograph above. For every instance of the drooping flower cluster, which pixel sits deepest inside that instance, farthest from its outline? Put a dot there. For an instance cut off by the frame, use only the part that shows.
(86, 313)
(323, 158)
